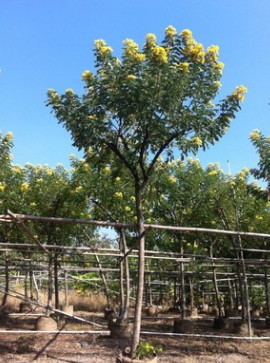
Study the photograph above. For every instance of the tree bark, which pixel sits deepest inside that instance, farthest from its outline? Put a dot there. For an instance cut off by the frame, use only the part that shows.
(141, 269)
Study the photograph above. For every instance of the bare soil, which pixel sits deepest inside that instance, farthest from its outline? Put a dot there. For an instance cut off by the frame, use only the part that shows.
(69, 348)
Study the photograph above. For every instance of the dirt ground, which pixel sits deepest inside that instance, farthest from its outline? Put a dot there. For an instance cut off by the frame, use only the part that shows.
(69, 348)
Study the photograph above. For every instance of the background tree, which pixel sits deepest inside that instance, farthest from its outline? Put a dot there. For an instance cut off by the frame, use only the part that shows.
(144, 105)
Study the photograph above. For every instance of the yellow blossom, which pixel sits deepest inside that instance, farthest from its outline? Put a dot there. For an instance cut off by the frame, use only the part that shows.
(132, 198)
(85, 167)
(212, 53)
(49, 172)
(87, 76)
(219, 67)
(72, 156)
(239, 93)
(127, 208)
(160, 55)
(148, 220)
(9, 136)
(91, 117)
(197, 141)
(217, 84)
(186, 33)
(106, 170)
(195, 51)
(118, 179)
(172, 179)
(118, 194)
(255, 135)
(102, 48)
(212, 172)
(140, 57)
(184, 67)
(24, 187)
(150, 40)
(210, 104)
(39, 180)
(33, 204)
(131, 49)
(2, 187)
(78, 189)
(69, 91)
(170, 31)
(131, 77)
(259, 218)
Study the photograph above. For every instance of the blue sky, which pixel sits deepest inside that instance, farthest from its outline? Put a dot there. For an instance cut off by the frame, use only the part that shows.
(48, 44)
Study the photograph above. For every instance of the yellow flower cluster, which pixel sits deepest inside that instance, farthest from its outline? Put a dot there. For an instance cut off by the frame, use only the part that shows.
(131, 51)
(212, 53)
(219, 67)
(170, 31)
(192, 49)
(151, 40)
(24, 187)
(2, 187)
(217, 84)
(127, 208)
(184, 67)
(213, 172)
(118, 194)
(69, 91)
(53, 94)
(91, 117)
(196, 140)
(102, 48)
(255, 135)
(172, 179)
(87, 76)
(160, 55)
(106, 170)
(118, 179)
(131, 77)
(239, 93)
(9, 136)
(186, 33)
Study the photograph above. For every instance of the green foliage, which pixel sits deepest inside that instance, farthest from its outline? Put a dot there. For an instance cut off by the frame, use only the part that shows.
(147, 350)
(148, 102)
(262, 145)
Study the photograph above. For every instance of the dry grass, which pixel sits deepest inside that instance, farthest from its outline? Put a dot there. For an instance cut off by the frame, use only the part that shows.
(90, 302)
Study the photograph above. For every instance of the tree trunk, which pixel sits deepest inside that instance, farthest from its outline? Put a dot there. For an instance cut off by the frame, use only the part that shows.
(4, 301)
(50, 284)
(127, 298)
(141, 269)
(56, 283)
(106, 288)
(266, 284)
(215, 281)
(182, 283)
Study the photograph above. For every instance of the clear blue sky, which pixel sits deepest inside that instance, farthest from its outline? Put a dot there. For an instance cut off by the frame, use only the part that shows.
(48, 44)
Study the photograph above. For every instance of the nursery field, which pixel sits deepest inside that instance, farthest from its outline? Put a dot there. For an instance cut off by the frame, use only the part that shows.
(91, 347)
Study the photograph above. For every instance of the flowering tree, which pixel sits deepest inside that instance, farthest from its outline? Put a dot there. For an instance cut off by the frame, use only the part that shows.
(262, 144)
(144, 105)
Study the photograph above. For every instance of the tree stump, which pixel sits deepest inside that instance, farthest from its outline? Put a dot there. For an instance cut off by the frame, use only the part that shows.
(183, 326)
(45, 323)
(67, 309)
(242, 329)
(121, 329)
(25, 307)
(152, 310)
